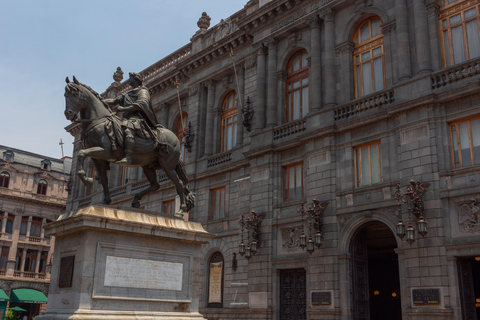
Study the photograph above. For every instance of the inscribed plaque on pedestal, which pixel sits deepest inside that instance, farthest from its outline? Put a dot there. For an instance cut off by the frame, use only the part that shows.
(215, 287)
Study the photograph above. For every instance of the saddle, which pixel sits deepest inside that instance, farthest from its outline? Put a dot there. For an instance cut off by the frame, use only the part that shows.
(114, 128)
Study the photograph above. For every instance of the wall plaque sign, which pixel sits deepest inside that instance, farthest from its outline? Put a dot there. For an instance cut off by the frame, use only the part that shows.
(426, 296)
(321, 298)
(215, 286)
(66, 271)
(140, 273)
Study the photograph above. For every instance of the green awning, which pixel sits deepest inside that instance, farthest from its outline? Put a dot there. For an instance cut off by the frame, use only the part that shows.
(18, 309)
(3, 296)
(28, 296)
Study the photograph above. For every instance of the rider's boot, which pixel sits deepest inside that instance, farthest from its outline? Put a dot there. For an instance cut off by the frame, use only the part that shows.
(129, 144)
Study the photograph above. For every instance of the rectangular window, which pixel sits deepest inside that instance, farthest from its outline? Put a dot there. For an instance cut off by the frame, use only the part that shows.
(459, 30)
(465, 141)
(169, 207)
(293, 182)
(217, 203)
(367, 164)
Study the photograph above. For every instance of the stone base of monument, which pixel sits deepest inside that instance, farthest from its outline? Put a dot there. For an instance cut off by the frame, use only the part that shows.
(123, 263)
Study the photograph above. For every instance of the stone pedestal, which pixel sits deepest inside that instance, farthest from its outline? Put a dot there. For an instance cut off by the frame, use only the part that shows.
(123, 263)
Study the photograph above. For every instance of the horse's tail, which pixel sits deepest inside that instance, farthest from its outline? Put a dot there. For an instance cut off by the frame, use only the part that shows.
(182, 175)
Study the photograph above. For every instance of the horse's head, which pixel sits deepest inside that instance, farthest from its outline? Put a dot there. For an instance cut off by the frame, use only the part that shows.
(75, 98)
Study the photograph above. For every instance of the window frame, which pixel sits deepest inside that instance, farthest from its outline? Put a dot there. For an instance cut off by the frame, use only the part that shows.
(229, 112)
(213, 202)
(42, 187)
(359, 175)
(292, 77)
(362, 47)
(458, 144)
(446, 13)
(286, 181)
(169, 206)
(4, 179)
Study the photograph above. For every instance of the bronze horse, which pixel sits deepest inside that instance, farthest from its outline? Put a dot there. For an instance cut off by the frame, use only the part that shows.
(96, 117)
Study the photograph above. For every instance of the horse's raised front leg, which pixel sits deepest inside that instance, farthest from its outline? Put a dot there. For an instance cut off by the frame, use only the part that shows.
(151, 175)
(102, 166)
(95, 152)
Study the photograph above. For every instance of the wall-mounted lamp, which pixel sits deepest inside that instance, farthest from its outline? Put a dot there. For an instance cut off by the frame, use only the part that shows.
(413, 198)
(250, 223)
(312, 214)
(247, 114)
(189, 136)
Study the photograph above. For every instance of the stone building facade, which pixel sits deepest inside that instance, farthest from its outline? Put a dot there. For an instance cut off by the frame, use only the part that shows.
(33, 192)
(350, 98)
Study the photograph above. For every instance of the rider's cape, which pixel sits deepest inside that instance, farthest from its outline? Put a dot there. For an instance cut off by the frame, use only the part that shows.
(141, 97)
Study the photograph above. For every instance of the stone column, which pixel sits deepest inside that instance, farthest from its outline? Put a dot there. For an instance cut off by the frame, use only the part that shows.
(209, 130)
(345, 54)
(42, 232)
(422, 40)
(281, 88)
(37, 262)
(4, 224)
(403, 45)
(328, 17)
(24, 256)
(388, 48)
(29, 225)
(315, 74)
(272, 84)
(261, 80)
(164, 107)
(433, 11)
(241, 98)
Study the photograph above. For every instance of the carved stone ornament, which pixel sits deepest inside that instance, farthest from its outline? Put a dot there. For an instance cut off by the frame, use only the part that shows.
(468, 217)
(118, 75)
(291, 239)
(192, 91)
(251, 62)
(204, 22)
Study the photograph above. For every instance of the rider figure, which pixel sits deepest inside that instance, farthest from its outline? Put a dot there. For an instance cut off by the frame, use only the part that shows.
(138, 116)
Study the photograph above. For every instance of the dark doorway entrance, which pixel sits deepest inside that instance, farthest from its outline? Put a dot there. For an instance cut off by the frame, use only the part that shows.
(469, 283)
(374, 274)
(293, 294)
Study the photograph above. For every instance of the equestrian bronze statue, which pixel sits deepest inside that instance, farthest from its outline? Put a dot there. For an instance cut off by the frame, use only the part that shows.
(135, 140)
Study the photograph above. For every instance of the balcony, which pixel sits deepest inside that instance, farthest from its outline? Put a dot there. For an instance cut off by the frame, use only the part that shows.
(28, 275)
(456, 73)
(289, 129)
(219, 159)
(373, 101)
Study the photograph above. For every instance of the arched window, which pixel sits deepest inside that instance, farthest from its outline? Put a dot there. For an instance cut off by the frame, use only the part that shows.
(4, 179)
(181, 129)
(459, 30)
(297, 86)
(368, 58)
(215, 281)
(42, 187)
(228, 137)
(9, 226)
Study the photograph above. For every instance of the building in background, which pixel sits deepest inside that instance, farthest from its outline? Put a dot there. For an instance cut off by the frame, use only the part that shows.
(33, 192)
(350, 98)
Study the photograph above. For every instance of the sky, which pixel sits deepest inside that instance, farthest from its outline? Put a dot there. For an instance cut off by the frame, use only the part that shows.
(44, 41)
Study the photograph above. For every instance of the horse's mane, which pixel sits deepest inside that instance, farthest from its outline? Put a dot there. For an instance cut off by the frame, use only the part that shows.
(95, 93)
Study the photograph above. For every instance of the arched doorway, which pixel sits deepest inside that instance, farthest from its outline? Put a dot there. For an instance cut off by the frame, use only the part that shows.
(374, 274)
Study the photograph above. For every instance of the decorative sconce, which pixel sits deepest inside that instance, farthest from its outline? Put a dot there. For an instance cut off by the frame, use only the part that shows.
(413, 197)
(247, 113)
(313, 215)
(189, 136)
(251, 223)
(234, 261)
